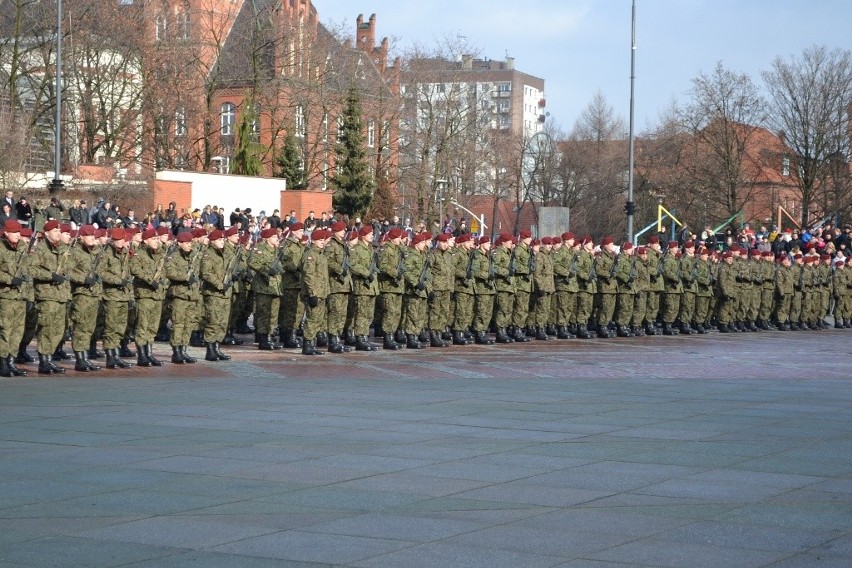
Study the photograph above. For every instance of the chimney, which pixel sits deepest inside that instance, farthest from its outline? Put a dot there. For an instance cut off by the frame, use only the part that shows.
(467, 61)
(510, 63)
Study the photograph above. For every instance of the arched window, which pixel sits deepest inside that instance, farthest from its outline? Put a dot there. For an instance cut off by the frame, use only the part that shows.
(300, 121)
(228, 116)
(182, 24)
(180, 121)
(161, 27)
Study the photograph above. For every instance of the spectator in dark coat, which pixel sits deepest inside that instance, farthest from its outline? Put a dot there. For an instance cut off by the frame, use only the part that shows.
(24, 212)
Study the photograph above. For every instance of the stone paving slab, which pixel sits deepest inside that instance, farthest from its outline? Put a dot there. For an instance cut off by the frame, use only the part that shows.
(653, 452)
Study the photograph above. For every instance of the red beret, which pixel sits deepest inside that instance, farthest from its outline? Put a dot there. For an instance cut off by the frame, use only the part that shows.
(12, 226)
(245, 238)
(535, 243)
(73, 233)
(673, 244)
(148, 234)
(654, 239)
(607, 241)
(640, 250)
(546, 240)
(798, 256)
(365, 230)
(505, 237)
(627, 246)
(185, 237)
(320, 234)
(353, 234)
(463, 238)
(556, 240)
(50, 225)
(98, 233)
(338, 226)
(766, 254)
(266, 233)
(568, 236)
(232, 230)
(26, 232)
(689, 244)
(526, 234)
(483, 239)
(825, 257)
(395, 233)
(216, 235)
(297, 226)
(727, 254)
(587, 239)
(130, 231)
(199, 232)
(87, 231)
(163, 230)
(117, 234)
(443, 237)
(514, 240)
(65, 227)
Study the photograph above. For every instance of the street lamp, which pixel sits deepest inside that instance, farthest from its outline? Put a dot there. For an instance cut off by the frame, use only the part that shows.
(56, 184)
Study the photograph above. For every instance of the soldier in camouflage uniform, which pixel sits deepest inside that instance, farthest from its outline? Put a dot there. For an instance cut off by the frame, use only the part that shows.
(686, 314)
(607, 286)
(726, 292)
(656, 286)
(543, 287)
(784, 292)
(416, 276)
(673, 283)
(441, 280)
(340, 286)
(117, 296)
(315, 289)
(483, 290)
(265, 264)
(86, 292)
(587, 286)
(504, 284)
(565, 296)
(703, 290)
(13, 300)
(292, 309)
(48, 264)
(28, 291)
(216, 275)
(391, 287)
(364, 265)
(642, 285)
(149, 286)
(766, 287)
(625, 277)
(181, 271)
(463, 289)
(523, 287)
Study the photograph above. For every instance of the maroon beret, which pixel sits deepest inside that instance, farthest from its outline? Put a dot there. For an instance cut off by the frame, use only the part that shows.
(232, 230)
(217, 234)
(12, 226)
(727, 254)
(267, 233)
(65, 227)
(98, 233)
(117, 234)
(587, 239)
(163, 230)
(535, 242)
(148, 234)
(673, 244)
(185, 237)
(338, 226)
(297, 226)
(365, 230)
(26, 232)
(443, 237)
(546, 241)
(199, 232)
(567, 236)
(641, 250)
(463, 238)
(87, 231)
(627, 246)
(483, 239)
(688, 244)
(50, 225)
(395, 233)
(526, 234)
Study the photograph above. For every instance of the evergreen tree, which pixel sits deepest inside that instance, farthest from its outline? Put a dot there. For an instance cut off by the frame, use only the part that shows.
(290, 163)
(246, 160)
(352, 182)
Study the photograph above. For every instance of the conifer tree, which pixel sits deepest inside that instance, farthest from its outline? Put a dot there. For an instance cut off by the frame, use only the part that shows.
(353, 182)
(247, 157)
(290, 163)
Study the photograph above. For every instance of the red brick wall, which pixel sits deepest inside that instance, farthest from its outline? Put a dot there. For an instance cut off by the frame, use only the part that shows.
(304, 201)
(167, 191)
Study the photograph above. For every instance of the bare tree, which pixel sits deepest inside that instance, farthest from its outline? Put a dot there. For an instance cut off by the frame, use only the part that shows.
(809, 96)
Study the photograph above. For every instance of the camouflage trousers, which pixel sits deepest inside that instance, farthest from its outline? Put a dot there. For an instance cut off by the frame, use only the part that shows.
(84, 318)
(640, 309)
(266, 306)
(504, 305)
(541, 304)
(147, 320)
(13, 314)
(337, 305)
(115, 322)
(671, 307)
(315, 318)
(483, 309)
(521, 308)
(624, 308)
(415, 314)
(184, 320)
(363, 310)
(391, 311)
(439, 310)
(291, 310)
(216, 314)
(464, 311)
(51, 325)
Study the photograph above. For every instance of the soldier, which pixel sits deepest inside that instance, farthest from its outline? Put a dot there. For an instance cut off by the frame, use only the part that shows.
(783, 292)
(625, 277)
(504, 261)
(52, 293)
(483, 290)
(798, 292)
(146, 267)
(766, 289)
(824, 269)
(336, 253)
(686, 313)
(265, 263)
(442, 278)
(673, 282)
(13, 300)
(352, 239)
(416, 276)
(463, 289)
(28, 291)
(292, 309)
(87, 291)
(703, 290)
(607, 286)
(523, 286)
(235, 255)
(364, 265)
(543, 287)
(217, 276)
(391, 287)
(843, 293)
(656, 285)
(587, 286)
(70, 240)
(726, 291)
(181, 271)
(118, 293)
(315, 289)
(642, 286)
(565, 281)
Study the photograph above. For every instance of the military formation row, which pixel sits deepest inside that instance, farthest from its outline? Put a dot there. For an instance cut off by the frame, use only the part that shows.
(330, 288)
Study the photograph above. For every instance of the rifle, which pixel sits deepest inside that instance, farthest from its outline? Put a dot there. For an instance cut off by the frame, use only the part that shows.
(633, 273)
(469, 273)
(491, 271)
(532, 263)
(374, 263)
(93, 271)
(346, 264)
(613, 270)
(160, 265)
(512, 267)
(19, 272)
(60, 268)
(192, 259)
(593, 275)
(400, 268)
(572, 268)
(231, 269)
(424, 272)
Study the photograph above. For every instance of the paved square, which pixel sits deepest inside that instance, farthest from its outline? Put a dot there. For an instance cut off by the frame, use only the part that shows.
(718, 450)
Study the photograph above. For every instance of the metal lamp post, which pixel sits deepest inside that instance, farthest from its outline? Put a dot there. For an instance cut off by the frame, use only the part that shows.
(56, 184)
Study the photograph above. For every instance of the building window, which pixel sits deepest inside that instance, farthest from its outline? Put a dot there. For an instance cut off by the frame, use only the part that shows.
(339, 127)
(785, 166)
(504, 88)
(325, 126)
(161, 27)
(255, 123)
(183, 25)
(441, 88)
(180, 121)
(371, 133)
(228, 116)
(385, 135)
(300, 121)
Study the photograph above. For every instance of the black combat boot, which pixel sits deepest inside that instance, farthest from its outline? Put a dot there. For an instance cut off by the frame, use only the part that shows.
(5, 371)
(502, 336)
(229, 338)
(423, 336)
(219, 355)
(322, 339)
(668, 329)
(700, 329)
(541, 333)
(723, 328)
(80, 362)
(10, 360)
(362, 343)
(60, 354)
(399, 337)
(263, 342)
(113, 360)
(447, 335)
(53, 366)
(124, 348)
(685, 329)
(624, 331)
(389, 344)
(93, 352)
(149, 353)
(309, 348)
(412, 342)
(141, 357)
(243, 327)
(335, 346)
(289, 339)
(583, 331)
(195, 340)
(164, 334)
(562, 332)
(519, 335)
(349, 338)
(650, 329)
(459, 338)
(550, 329)
(187, 358)
(43, 365)
(603, 332)
(92, 366)
(638, 331)
(436, 340)
(177, 355)
(483, 339)
(211, 353)
(23, 356)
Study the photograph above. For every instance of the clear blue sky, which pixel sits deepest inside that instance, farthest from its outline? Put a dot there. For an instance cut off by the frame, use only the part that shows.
(580, 47)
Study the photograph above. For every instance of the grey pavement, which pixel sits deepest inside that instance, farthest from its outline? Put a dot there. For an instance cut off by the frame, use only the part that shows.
(717, 451)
